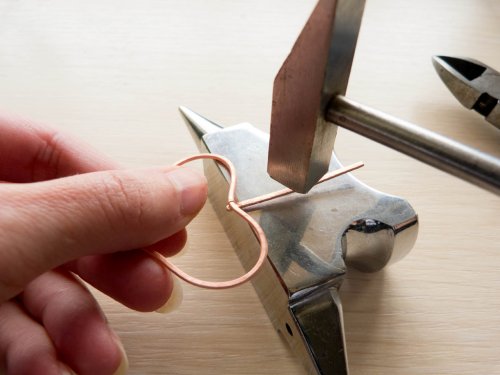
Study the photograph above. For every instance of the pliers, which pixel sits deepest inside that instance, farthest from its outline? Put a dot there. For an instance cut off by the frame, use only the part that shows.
(475, 85)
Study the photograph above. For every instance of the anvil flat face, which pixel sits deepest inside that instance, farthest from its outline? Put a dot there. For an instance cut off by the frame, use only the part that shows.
(311, 238)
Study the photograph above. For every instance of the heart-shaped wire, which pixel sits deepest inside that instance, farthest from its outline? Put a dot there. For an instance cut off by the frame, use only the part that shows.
(232, 204)
(237, 206)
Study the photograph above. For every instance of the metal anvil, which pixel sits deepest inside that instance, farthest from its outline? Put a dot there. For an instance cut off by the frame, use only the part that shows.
(342, 222)
(311, 238)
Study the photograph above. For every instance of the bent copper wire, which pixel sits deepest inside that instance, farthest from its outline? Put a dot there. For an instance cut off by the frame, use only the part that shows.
(233, 204)
(237, 207)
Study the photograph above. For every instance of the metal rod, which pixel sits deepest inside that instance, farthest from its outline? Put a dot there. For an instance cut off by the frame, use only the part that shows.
(247, 203)
(443, 153)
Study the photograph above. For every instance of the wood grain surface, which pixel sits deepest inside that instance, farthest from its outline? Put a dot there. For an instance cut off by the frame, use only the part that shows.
(114, 72)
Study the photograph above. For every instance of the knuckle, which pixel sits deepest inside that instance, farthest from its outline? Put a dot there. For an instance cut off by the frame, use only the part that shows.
(123, 199)
(46, 163)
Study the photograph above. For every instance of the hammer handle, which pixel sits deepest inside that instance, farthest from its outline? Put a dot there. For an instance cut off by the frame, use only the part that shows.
(431, 148)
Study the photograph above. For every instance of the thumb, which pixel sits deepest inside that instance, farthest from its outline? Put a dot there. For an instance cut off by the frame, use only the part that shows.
(46, 224)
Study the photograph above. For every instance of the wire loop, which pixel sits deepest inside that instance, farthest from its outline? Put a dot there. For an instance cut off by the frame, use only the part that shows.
(232, 203)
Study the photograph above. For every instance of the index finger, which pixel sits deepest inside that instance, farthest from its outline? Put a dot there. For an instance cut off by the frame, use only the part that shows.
(33, 152)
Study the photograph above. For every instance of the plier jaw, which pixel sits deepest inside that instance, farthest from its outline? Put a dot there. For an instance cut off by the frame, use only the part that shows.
(475, 85)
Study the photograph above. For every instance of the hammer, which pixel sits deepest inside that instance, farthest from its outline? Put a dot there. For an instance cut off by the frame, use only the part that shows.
(309, 101)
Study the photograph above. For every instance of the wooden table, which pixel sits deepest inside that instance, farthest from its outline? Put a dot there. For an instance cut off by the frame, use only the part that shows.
(114, 73)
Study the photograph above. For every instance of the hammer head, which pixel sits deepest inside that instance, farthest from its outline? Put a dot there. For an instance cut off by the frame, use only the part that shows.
(318, 67)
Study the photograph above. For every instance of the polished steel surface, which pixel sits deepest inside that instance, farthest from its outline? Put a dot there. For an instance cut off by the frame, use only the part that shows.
(311, 238)
(475, 85)
(317, 68)
(443, 153)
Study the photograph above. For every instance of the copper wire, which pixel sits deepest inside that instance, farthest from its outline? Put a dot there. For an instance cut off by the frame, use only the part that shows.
(237, 207)
(280, 193)
(233, 204)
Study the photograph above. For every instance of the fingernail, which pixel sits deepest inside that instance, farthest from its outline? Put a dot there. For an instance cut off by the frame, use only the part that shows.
(175, 298)
(123, 367)
(192, 187)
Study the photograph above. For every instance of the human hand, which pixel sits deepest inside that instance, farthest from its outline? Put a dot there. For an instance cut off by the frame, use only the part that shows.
(60, 217)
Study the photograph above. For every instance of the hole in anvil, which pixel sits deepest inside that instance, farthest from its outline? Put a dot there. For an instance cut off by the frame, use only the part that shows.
(289, 329)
